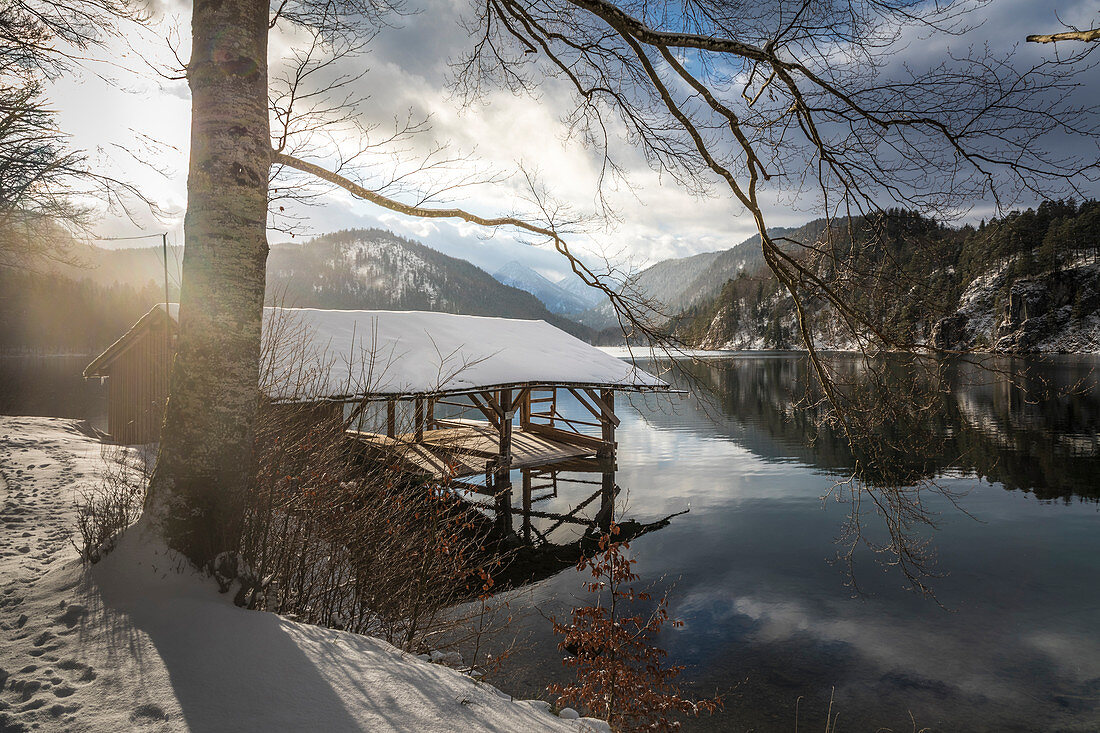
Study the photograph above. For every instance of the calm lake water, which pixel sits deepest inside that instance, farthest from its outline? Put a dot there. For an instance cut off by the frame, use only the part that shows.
(772, 620)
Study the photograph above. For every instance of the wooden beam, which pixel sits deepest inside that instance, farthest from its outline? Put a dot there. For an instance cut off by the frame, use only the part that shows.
(527, 503)
(355, 413)
(606, 404)
(492, 402)
(488, 412)
(584, 403)
(607, 502)
(522, 402)
(391, 418)
(565, 436)
(503, 502)
(449, 444)
(607, 399)
(561, 519)
(599, 409)
(525, 409)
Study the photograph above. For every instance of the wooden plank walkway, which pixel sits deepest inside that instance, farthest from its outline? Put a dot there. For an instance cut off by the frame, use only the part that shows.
(464, 447)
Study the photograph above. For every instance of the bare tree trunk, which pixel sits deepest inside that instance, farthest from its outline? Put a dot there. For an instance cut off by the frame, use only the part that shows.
(205, 454)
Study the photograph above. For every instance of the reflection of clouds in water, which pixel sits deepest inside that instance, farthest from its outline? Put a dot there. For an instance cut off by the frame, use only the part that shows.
(1077, 655)
(886, 648)
(702, 471)
(768, 614)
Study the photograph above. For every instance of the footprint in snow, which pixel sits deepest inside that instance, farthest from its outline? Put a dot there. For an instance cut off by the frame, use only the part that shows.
(74, 614)
(79, 671)
(63, 690)
(148, 713)
(58, 710)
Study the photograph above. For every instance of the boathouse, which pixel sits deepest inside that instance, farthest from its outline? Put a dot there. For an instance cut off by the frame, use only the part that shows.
(445, 395)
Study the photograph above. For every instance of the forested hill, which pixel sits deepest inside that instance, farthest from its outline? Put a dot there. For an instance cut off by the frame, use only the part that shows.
(85, 306)
(681, 283)
(1027, 282)
(376, 269)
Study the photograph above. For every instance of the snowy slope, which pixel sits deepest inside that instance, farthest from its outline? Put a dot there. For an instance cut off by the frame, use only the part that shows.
(372, 268)
(136, 643)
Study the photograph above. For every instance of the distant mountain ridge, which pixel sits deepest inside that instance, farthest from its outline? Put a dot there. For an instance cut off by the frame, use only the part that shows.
(573, 284)
(361, 268)
(678, 284)
(554, 295)
(376, 269)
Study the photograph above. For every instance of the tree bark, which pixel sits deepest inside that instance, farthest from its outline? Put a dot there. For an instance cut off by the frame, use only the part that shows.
(1090, 36)
(202, 470)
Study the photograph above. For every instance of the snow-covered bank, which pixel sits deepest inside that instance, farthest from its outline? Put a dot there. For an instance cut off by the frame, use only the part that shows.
(139, 641)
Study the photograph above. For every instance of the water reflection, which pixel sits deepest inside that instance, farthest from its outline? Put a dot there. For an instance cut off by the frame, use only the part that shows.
(547, 517)
(1030, 426)
(769, 618)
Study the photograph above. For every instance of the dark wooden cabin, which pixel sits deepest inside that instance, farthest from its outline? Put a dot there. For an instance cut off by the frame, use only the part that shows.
(136, 368)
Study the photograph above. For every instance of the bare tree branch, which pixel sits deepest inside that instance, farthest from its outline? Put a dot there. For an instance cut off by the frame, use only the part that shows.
(1092, 35)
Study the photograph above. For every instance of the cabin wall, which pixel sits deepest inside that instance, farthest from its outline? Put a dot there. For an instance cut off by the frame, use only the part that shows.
(138, 389)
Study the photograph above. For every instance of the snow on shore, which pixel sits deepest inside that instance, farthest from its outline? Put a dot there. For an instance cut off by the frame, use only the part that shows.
(140, 642)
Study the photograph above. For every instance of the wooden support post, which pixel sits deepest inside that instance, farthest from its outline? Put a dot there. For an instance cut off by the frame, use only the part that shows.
(503, 467)
(503, 501)
(608, 422)
(506, 412)
(391, 418)
(525, 410)
(430, 419)
(527, 505)
(418, 420)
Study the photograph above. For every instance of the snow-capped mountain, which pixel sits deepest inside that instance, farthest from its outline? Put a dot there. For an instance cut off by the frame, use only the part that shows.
(555, 297)
(574, 285)
(677, 284)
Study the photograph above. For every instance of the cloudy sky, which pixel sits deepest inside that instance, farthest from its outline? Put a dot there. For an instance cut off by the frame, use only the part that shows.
(117, 112)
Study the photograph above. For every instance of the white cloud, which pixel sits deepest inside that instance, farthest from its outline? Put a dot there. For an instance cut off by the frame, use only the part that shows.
(408, 70)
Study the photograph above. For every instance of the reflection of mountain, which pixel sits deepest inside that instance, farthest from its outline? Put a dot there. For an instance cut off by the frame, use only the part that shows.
(1020, 429)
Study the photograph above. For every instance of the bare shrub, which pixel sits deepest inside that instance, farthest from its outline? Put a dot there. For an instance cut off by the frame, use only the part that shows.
(104, 511)
(335, 539)
(338, 538)
(621, 676)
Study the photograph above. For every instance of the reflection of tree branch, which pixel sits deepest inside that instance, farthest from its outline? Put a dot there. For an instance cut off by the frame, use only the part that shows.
(729, 94)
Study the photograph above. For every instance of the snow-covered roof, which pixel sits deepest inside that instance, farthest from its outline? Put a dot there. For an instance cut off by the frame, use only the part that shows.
(347, 354)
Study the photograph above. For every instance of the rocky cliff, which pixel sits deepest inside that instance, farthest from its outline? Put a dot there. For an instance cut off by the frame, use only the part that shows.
(1054, 312)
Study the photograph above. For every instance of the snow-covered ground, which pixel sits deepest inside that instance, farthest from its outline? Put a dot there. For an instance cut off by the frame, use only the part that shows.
(140, 642)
